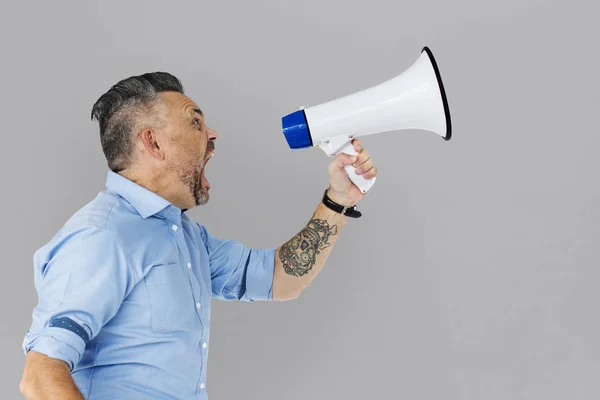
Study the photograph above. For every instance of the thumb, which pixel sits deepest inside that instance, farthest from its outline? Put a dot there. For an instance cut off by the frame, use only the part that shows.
(343, 159)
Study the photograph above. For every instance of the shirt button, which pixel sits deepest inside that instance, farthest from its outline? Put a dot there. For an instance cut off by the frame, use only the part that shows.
(197, 305)
(189, 265)
(202, 386)
(203, 345)
(174, 227)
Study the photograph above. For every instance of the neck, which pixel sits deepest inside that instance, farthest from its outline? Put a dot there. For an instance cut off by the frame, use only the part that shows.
(159, 183)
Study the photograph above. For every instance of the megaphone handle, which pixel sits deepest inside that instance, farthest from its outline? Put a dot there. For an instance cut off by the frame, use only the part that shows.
(363, 184)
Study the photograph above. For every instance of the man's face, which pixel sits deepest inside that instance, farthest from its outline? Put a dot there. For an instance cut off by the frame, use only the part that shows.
(190, 146)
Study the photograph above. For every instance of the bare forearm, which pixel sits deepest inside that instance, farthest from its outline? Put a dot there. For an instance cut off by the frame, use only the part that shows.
(45, 378)
(300, 259)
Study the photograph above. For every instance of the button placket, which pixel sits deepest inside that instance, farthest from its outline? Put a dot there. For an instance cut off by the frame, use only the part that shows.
(196, 286)
(181, 238)
(183, 250)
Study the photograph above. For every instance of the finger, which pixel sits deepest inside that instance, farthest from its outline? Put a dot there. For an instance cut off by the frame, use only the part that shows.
(357, 145)
(342, 159)
(363, 156)
(360, 162)
(367, 165)
(371, 173)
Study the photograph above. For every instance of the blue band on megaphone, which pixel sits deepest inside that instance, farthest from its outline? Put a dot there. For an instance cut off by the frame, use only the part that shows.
(295, 130)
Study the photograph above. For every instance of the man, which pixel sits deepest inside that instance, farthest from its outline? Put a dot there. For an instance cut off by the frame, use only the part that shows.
(124, 287)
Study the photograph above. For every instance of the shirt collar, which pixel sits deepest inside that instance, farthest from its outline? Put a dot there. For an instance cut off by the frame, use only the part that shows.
(145, 202)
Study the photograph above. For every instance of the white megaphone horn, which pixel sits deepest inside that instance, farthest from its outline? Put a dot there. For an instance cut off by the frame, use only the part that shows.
(415, 99)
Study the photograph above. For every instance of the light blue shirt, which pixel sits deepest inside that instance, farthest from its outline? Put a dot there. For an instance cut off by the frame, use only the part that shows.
(124, 291)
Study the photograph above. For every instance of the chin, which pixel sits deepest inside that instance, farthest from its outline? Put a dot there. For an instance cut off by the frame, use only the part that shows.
(202, 197)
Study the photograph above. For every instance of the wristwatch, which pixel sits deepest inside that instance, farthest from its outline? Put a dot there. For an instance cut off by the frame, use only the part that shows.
(344, 210)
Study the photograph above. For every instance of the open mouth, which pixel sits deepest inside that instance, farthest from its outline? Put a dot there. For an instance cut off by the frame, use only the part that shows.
(205, 181)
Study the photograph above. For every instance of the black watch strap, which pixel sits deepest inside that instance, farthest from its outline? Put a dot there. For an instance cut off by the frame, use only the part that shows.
(344, 210)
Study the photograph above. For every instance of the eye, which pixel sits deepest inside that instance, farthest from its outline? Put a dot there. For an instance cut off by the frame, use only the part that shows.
(196, 121)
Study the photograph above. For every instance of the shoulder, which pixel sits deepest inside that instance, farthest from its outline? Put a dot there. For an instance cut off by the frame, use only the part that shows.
(105, 213)
(93, 225)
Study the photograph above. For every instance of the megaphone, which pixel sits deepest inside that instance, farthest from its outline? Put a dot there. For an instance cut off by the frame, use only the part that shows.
(415, 99)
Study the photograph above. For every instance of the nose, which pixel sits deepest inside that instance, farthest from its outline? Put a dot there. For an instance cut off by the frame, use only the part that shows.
(212, 134)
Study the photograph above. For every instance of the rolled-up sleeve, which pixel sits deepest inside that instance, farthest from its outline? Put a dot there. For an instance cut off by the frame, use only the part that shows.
(81, 278)
(239, 272)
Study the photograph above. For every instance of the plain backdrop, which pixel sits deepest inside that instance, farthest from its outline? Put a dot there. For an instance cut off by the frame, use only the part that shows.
(473, 273)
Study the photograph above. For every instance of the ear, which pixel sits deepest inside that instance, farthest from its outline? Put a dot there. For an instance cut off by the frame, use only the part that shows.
(149, 138)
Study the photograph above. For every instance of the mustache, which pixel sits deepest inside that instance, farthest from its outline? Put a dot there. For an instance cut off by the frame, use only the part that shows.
(210, 147)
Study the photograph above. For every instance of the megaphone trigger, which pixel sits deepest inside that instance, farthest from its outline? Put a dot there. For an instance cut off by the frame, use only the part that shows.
(343, 144)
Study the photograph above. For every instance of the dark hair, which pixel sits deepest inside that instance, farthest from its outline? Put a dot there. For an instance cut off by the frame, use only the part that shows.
(119, 110)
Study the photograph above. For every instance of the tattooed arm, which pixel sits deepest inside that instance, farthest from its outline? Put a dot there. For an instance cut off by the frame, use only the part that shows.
(300, 259)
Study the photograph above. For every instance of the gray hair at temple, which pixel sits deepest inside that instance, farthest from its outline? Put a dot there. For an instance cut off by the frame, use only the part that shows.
(125, 108)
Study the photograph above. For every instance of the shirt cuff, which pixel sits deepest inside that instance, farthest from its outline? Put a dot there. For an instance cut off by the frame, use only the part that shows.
(259, 283)
(57, 343)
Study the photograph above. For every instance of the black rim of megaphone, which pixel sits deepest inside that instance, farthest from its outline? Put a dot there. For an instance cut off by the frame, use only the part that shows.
(442, 91)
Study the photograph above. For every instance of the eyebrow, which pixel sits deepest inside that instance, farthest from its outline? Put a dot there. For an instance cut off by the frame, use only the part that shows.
(199, 111)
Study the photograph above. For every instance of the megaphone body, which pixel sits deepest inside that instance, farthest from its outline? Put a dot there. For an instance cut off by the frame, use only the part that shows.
(415, 99)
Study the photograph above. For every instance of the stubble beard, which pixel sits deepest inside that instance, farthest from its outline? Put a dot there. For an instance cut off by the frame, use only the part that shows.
(192, 178)
(201, 195)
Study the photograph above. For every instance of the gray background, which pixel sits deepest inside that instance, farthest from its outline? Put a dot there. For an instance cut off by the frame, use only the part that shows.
(473, 273)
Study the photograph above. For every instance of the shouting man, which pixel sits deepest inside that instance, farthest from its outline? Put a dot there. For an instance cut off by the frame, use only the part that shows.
(124, 288)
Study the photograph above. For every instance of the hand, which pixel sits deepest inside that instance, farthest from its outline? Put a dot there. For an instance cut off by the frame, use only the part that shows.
(341, 189)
